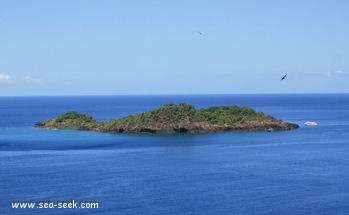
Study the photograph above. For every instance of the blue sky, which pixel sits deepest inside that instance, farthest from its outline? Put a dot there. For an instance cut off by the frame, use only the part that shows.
(66, 47)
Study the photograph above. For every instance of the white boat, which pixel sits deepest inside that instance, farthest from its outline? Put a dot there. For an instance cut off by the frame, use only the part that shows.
(309, 123)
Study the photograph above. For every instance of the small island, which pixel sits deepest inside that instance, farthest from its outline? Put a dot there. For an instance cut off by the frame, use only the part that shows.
(174, 118)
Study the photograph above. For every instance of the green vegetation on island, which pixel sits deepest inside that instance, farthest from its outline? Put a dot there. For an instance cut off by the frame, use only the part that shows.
(175, 118)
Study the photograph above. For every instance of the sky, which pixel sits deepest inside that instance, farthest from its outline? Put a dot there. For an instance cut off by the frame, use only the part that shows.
(88, 47)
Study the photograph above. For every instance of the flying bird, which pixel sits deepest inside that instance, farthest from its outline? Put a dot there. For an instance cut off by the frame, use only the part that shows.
(202, 34)
(283, 77)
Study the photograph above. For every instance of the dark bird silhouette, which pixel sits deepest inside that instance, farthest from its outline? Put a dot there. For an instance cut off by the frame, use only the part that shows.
(283, 77)
(202, 34)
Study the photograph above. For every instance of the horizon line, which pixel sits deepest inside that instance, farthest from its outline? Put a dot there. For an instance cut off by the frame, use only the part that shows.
(192, 94)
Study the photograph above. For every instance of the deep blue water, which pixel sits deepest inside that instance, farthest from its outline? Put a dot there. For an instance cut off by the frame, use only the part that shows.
(304, 171)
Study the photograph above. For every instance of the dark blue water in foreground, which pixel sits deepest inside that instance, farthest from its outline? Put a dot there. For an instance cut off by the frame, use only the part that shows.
(305, 171)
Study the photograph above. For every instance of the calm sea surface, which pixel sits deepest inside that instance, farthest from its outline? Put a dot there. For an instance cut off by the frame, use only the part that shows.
(304, 171)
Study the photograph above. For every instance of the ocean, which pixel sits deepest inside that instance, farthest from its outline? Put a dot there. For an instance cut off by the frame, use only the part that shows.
(303, 171)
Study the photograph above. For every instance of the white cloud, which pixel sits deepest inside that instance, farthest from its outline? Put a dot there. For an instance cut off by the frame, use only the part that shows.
(5, 78)
(30, 79)
(334, 74)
